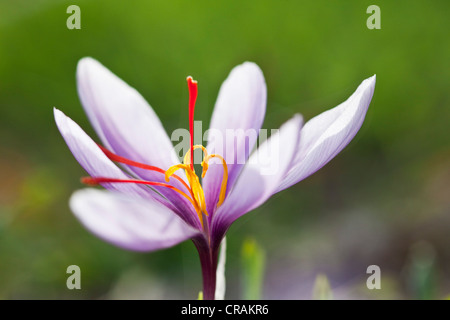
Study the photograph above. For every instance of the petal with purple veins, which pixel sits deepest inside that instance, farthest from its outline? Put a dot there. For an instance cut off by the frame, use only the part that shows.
(237, 117)
(128, 222)
(123, 120)
(261, 176)
(325, 135)
(96, 164)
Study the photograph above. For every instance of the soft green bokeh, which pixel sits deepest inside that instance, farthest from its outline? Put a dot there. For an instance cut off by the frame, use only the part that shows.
(322, 289)
(253, 268)
(385, 192)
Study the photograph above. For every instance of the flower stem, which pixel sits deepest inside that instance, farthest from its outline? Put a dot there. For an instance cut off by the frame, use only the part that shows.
(208, 261)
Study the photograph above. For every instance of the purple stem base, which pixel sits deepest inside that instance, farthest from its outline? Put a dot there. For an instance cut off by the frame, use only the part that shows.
(208, 262)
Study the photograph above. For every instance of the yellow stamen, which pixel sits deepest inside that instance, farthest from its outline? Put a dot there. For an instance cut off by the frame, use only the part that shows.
(187, 156)
(196, 190)
(223, 187)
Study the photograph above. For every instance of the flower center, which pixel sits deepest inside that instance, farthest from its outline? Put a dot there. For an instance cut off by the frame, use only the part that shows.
(196, 194)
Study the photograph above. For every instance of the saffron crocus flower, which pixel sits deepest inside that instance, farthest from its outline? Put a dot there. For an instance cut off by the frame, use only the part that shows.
(153, 200)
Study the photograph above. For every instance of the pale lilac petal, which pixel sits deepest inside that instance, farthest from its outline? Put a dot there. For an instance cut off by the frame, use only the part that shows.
(123, 120)
(91, 158)
(239, 110)
(128, 126)
(127, 222)
(261, 176)
(324, 136)
(96, 164)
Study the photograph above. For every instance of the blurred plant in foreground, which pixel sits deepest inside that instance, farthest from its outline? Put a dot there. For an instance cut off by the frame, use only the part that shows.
(253, 266)
(322, 288)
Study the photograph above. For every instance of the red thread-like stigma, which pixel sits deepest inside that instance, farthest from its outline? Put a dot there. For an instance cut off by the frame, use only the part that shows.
(115, 157)
(193, 92)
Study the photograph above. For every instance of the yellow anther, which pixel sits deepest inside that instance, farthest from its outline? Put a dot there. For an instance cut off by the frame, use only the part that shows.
(196, 190)
(223, 187)
(187, 156)
(205, 167)
(172, 169)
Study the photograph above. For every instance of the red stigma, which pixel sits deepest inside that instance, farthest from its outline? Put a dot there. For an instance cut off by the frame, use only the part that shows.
(193, 91)
(94, 181)
(90, 181)
(115, 157)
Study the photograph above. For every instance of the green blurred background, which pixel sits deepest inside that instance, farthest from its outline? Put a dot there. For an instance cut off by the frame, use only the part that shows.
(384, 200)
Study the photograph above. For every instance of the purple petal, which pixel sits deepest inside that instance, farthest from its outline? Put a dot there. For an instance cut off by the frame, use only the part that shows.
(127, 222)
(261, 176)
(324, 136)
(239, 110)
(127, 125)
(91, 158)
(95, 162)
(123, 120)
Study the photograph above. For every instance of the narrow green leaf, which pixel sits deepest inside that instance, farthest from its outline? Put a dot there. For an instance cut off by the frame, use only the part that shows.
(322, 289)
(421, 270)
(253, 266)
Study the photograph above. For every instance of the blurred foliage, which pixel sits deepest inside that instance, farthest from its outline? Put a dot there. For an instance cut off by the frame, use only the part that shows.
(388, 190)
(253, 266)
(322, 289)
(422, 273)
